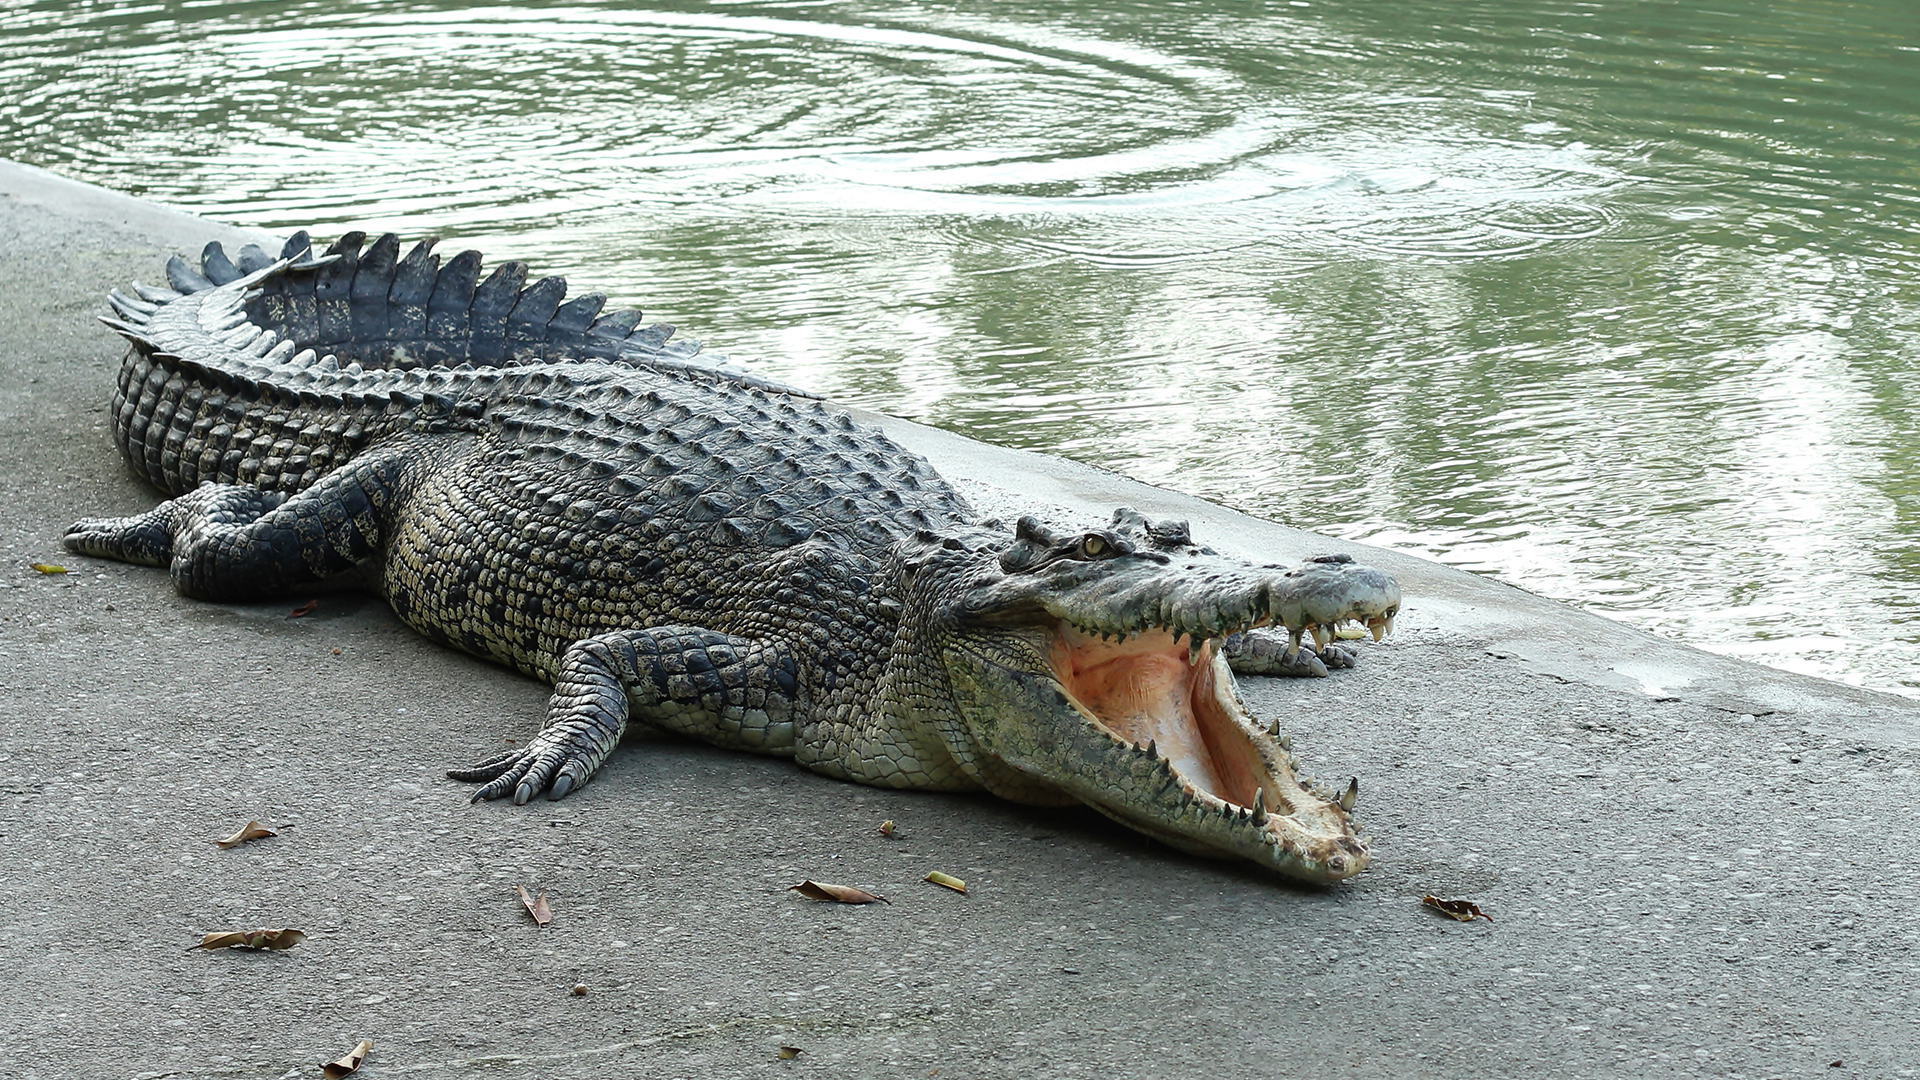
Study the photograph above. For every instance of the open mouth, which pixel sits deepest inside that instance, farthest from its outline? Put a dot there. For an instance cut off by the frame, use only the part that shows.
(1149, 691)
(1225, 787)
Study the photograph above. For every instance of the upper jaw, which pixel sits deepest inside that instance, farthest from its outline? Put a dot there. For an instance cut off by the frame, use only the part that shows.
(1328, 590)
(1194, 595)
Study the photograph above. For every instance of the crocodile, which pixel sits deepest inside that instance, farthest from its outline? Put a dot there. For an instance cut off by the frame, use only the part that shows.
(680, 544)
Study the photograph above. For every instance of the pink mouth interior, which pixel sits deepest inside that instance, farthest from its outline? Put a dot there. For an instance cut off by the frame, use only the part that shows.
(1144, 689)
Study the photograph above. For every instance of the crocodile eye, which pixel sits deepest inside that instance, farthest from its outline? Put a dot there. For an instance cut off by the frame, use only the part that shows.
(1092, 546)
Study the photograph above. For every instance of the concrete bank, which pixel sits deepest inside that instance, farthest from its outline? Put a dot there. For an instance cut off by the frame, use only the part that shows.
(1694, 866)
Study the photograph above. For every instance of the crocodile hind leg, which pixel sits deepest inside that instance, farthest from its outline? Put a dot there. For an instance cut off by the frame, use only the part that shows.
(149, 539)
(234, 542)
(735, 692)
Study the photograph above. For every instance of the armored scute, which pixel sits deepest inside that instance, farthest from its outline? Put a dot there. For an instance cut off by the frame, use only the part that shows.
(683, 545)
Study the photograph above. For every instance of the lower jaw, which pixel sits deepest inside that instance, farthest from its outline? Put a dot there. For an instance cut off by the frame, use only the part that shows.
(1345, 856)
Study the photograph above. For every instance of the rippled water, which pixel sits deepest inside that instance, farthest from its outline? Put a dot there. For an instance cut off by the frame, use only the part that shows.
(1616, 302)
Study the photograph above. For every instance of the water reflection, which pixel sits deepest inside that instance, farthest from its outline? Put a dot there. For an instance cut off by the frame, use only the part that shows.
(1614, 302)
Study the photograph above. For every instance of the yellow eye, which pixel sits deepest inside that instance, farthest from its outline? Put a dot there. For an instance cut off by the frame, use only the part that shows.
(1092, 545)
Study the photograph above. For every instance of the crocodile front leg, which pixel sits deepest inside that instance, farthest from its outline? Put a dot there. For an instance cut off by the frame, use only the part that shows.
(1260, 654)
(734, 692)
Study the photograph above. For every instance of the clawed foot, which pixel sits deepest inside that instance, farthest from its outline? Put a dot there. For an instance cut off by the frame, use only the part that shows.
(144, 539)
(551, 765)
(1257, 654)
(1338, 656)
(153, 538)
(585, 719)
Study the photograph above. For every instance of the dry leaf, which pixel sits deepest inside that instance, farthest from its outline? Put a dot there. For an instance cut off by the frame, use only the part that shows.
(1464, 910)
(886, 827)
(542, 914)
(307, 608)
(48, 568)
(947, 880)
(251, 939)
(252, 830)
(788, 1053)
(344, 1066)
(839, 894)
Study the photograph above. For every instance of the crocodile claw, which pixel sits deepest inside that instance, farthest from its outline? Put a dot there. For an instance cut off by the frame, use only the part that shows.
(1336, 656)
(517, 774)
(556, 763)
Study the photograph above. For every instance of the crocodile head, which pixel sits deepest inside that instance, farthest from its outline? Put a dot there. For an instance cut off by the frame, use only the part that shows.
(1089, 665)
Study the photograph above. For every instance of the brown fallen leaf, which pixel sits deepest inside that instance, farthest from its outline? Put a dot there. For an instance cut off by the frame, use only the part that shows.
(251, 939)
(542, 914)
(947, 881)
(788, 1053)
(839, 894)
(48, 568)
(886, 827)
(307, 608)
(346, 1066)
(252, 830)
(1464, 910)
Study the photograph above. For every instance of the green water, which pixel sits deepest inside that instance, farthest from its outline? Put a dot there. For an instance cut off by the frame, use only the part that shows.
(1613, 301)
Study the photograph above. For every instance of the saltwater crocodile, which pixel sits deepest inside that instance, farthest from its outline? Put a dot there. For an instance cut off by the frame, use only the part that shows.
(692, 548)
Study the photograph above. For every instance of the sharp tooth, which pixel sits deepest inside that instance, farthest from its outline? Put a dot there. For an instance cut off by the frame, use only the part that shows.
(1275, 729)
(1347, 796)
(1286, 741)
(1293, 643)
(1378, 628)
(1195, 646)
(1260, 806)
(1321, 635)
(1153, 750)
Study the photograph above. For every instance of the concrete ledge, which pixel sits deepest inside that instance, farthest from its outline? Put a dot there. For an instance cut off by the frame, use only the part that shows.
(1694, 865)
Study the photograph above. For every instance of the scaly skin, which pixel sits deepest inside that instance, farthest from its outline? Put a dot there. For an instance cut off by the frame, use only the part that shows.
(698, 550)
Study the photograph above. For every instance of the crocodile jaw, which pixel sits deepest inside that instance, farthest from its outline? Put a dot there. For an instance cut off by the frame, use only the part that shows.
(1149, 730)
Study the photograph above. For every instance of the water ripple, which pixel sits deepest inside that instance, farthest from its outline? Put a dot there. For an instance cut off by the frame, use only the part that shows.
(1618, 305)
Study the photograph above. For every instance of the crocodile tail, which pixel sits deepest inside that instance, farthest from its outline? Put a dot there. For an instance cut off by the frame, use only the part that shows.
(370, 305)
(205, 394)
(270, 370)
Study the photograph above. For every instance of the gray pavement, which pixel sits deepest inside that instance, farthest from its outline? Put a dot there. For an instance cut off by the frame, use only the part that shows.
(1695, 867)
